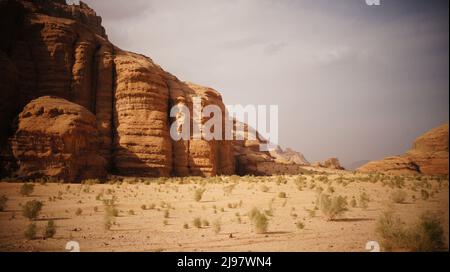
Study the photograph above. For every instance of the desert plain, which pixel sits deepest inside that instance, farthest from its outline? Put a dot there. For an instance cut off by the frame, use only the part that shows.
(213, 214)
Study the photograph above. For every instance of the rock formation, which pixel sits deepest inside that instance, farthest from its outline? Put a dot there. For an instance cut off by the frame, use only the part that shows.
(289, 156)
(57, 138)
(393, 165)
(49, 48)
(428, 155)
(331, 163)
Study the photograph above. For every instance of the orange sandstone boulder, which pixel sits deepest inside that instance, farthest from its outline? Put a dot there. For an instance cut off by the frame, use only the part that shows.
(59, 139)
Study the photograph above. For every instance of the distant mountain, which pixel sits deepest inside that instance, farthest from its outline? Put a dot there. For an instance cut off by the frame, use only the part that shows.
(355, 165)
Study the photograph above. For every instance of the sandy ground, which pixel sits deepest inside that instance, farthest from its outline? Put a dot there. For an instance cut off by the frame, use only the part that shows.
(149, 230)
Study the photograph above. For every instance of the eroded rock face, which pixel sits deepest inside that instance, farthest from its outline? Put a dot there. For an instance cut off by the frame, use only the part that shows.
(393, 165)
(430, 151)
(331, 163)
(59, 139)
(428, 155)
(49, 48)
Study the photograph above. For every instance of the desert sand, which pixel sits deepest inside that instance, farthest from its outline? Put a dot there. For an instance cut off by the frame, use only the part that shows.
(225, 199)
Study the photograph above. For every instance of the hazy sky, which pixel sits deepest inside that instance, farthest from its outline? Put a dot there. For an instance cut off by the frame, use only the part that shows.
(351, 81)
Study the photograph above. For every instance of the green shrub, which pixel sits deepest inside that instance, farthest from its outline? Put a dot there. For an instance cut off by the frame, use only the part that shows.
(50, 229)
(31, 209)
(425, 235)
(30, 232)
(27, 189)
(391, 230)
(259, 220)
(364, 200)
(332, 206)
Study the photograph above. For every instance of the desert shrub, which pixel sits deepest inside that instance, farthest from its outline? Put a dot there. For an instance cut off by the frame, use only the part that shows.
(30, 231)
(282, 195)
(131, 212)
(90, 181)
(3, 200)
(364, 200)
(229, 189)
(198, 194)
(390, 229)
(166, 214)
(78, 211)
(311, 213)
(143, 207)
(424, 194)
(205, 223)
(264, 188)
(259, 220)
(197, 222)
(332, 206)
(50, 229)
(217, 226)
(31, 209)
(330, 189)
(95, 209)
(425, 235)
(398, 196)
(353, 202)
(110, 212)
(185, 226)
(300, 225)
(27, 189)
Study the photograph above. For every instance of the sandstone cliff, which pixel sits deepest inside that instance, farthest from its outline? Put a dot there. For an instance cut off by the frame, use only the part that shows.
(428, 155)
(49, 48)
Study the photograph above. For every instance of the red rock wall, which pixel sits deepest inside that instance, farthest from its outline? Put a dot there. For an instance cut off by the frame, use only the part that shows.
(63, 51)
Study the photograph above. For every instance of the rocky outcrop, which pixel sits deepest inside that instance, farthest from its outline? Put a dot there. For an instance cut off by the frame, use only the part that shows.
(430, 151)
(59, 139)
(331, 163)
(394, 165)
(289, 156)
(428, 155)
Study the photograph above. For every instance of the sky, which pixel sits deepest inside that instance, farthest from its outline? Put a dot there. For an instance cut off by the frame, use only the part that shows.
(351, 81)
